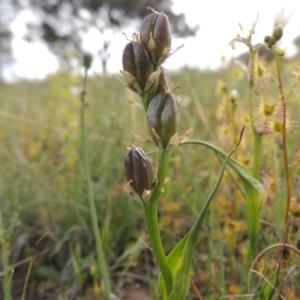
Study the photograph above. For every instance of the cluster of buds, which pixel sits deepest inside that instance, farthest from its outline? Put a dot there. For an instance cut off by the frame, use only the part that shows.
(279, 23)
(275, 37)
(142, 70)
(143, 56)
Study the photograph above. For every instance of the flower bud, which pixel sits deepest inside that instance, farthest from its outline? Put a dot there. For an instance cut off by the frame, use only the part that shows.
(295, 210)
(267, 39)
(271, 42)
(280, 52)
(138, 173)
(269, 108)
(155, 35)
(87, 60)
(136, 66)
(163, 119)
(278, 33)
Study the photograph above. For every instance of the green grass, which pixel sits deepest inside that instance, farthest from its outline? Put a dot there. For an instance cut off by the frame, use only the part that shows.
(42, 187)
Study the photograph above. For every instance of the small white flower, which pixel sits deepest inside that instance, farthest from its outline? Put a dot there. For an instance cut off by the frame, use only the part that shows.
(234, 94)
(280, 19)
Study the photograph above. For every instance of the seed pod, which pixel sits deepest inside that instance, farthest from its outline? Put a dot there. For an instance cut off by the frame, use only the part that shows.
(87, 60)
(136, 62)
(138, 172)
(277, 33)
(267, 39)
(163, 116)
(155, 35)
(271, 42)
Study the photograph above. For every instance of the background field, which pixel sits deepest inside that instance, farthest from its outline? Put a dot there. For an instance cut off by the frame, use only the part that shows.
(42, 186)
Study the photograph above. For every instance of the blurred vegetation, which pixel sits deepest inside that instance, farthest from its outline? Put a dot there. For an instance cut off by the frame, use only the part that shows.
(42, 187)
(64, 25)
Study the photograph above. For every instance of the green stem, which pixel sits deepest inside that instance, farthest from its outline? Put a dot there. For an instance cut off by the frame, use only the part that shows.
(257, 136)
(150, 210)
(5, 261)
(252, 199)
(284, 140)
(23, 297)
(257, 154)
(99, 248)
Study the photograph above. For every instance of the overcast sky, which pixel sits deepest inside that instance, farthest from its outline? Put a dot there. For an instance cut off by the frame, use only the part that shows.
(219, 22)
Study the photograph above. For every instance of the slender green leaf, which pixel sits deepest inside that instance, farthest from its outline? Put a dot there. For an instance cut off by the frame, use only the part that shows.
(253, 205)
(182, 275)
(253, 192)
(174, 261)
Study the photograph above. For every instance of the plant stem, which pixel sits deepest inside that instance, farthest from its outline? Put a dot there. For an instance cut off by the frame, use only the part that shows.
(284, 142)
(6, 286)
(150, 210)
(30, 267)
(99, 248)
(251, 196)
(257, 136)
(257, 154)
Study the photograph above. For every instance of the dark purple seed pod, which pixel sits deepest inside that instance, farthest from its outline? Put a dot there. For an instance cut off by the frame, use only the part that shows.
(163, 116)
(138, 172)
(155, 36)
(136, 61)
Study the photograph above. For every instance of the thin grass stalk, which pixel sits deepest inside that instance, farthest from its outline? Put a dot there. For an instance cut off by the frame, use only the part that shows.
(5, 262)
(30, 267)
(94, 219)
(251, 269)
(27, 277)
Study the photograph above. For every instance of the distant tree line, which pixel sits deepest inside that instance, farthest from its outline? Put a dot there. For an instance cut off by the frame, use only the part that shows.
(62, 24)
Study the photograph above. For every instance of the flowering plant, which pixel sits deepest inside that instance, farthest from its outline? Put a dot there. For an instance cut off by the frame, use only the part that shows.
(142, 59)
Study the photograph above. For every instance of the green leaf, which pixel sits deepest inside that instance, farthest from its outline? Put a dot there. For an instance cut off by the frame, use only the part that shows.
(253, 205)
(244, 173)
(182, 274)
(174, 260)
(253, 192)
